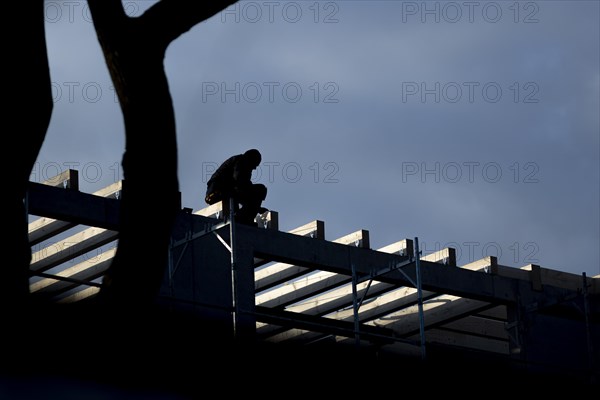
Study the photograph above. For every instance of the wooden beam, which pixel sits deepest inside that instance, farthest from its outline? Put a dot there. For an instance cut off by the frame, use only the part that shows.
(288, 334)
(383, 304)
(312, 282)
(360, 238)
(485, 264)
(279, 273)
(339, 298)
(333, 257)
(481, 343)
(266, 276)
(212, 211)
(538, 277)
(314, 229)
(404, 247)
(312, 285)
(68, 179)
(80, 295)
(268, 219)
(433, 314)
(510, 272)
(342, 296)
(478, 326)
(543, 276)
(70, 248)
(436, 310)
(445, 256)
(498, 312)
(383, 301)
(307, 286)
(112, 191)
(404, 296)
(319, 254)
(87, 270)
(44, 228)
(392, 300)
(73, 206)
(379, 306)
(325, 325)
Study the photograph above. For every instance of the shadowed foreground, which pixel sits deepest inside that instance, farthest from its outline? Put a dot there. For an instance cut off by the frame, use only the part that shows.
(70, 351)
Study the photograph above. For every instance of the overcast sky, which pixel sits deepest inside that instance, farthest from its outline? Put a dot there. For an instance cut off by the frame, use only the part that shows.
(473, 125)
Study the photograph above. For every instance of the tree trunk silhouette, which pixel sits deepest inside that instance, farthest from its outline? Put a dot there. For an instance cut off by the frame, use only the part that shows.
(134, 50)
(28, 108)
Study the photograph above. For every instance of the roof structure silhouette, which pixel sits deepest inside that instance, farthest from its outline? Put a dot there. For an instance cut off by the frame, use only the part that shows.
(262, 301)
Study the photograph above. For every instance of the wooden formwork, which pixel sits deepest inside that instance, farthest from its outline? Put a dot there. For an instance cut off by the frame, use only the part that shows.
(299, 287)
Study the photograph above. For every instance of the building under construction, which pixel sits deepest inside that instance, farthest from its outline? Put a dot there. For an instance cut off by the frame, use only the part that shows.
(303, 299)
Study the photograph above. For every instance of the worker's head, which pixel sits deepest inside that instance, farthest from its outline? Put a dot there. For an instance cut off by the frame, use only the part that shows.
(253, 156)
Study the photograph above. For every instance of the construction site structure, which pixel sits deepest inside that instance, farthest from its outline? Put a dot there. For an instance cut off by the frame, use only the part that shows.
(299, 290)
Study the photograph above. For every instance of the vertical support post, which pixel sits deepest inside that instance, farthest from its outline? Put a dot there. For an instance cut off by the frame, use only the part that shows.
(586, 309)
(170, 266)
(420, 298)
(26, 206)
(355, 307)
(514, 329)
(242, 284)
(234, 304)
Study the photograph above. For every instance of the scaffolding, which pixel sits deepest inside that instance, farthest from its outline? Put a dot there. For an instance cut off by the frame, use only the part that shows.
(297, 287)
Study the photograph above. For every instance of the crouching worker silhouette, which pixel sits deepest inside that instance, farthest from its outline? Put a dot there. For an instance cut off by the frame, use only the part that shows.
(233, 178)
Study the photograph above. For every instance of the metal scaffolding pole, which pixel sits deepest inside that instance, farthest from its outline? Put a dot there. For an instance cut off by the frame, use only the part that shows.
(233, 258)
(420, 298)
(590, 347)
(234, 302)
(355, 307)
(356, 302)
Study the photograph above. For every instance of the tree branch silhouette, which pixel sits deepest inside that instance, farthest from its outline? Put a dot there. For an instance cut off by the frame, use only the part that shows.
(134, 50)
(28, 111)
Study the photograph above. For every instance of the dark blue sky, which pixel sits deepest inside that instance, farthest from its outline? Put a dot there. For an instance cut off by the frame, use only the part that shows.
(473, 125)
